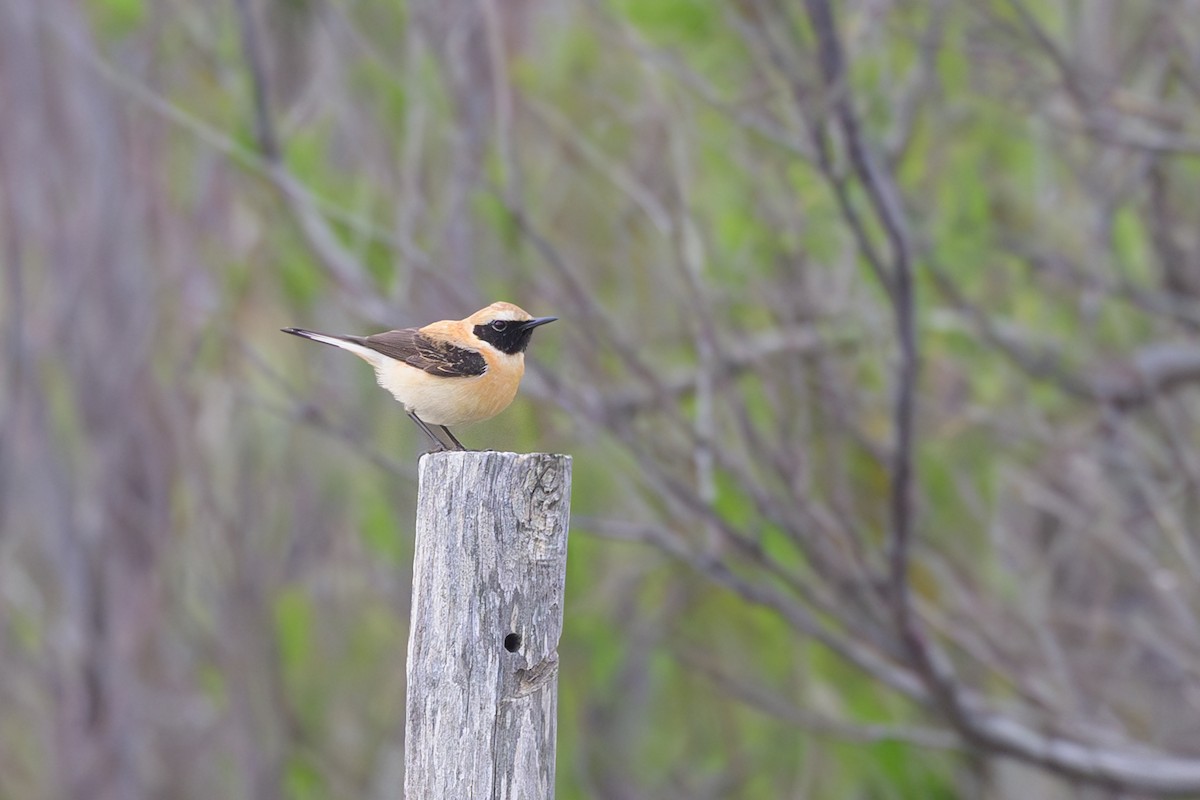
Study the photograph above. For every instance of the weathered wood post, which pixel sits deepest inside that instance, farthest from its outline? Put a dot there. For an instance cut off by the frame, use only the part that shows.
(488, 579)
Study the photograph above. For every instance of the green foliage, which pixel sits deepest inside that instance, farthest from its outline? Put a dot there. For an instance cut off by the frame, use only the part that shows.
(675, 21)
(379, 527)
(301, 280)
(303, 780)
(214, 686)
(491, 210)
(386, 88)
(1131, 246)
(116, 19)
(294, 630)
(26, 632)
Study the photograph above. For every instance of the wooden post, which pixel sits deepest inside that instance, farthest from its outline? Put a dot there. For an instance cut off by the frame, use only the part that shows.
(488, 578)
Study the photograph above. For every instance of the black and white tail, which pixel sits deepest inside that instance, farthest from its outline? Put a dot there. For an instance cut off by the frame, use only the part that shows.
(351, 343)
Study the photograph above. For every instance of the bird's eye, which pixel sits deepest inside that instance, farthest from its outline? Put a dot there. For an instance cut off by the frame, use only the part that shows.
(499, 325)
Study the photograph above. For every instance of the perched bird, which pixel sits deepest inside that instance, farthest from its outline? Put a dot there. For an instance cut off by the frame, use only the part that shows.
(449, 373)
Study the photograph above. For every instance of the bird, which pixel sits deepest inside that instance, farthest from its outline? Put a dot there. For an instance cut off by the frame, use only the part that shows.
(449, 373)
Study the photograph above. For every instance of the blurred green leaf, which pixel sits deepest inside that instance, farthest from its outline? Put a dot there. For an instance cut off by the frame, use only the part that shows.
(303, 780)
(380, 530)
(294, 627)
(116, 19)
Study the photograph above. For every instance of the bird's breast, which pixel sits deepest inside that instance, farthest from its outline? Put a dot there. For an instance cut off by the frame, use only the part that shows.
(453, 401)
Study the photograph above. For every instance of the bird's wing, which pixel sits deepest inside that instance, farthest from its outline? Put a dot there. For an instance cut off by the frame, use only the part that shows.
(434, 356)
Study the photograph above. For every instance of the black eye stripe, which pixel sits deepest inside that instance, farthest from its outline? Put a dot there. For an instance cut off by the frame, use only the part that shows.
(507, 336)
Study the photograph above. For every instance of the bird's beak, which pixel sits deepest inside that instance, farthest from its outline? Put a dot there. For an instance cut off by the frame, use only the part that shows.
(533, 323)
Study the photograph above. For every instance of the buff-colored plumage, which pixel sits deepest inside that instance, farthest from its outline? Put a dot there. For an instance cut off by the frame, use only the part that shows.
(454, 401)
(433, 371)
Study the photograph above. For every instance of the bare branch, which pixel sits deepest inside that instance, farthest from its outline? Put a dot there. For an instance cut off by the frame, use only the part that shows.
(753, 694)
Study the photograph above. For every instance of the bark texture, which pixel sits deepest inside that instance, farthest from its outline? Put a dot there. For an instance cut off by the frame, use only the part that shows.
(488, 580)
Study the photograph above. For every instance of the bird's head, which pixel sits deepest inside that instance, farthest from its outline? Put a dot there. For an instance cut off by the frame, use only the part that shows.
(505, 327)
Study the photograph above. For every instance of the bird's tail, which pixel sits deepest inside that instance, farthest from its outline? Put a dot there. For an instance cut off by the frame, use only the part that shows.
(351, 343)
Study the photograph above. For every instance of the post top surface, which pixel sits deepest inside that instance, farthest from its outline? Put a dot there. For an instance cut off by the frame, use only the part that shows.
(490, 453)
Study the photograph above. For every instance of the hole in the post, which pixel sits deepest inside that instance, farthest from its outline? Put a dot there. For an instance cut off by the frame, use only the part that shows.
(512, 642)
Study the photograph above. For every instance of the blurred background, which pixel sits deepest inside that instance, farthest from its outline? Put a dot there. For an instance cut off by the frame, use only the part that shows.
(878, 363)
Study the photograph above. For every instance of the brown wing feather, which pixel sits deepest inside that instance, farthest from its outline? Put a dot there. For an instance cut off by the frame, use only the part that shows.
(425, 353)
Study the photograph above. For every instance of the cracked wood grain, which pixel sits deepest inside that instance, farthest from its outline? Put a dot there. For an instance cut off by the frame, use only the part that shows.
(488, 580)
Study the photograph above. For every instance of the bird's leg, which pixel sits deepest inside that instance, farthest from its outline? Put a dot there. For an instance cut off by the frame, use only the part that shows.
(421, 424)
(452, 438)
